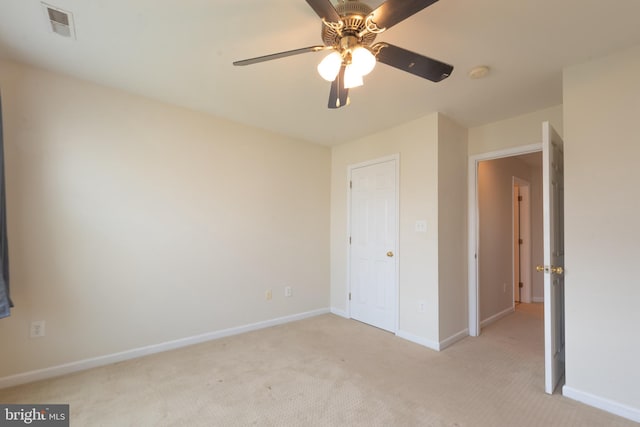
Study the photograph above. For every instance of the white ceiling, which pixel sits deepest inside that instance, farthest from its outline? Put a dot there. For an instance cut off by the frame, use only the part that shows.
(181, 52)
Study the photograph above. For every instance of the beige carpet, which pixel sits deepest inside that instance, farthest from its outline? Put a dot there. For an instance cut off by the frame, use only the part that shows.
(535, 309)
(325, 371)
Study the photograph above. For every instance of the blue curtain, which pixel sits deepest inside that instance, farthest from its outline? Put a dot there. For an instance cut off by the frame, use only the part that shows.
(5, 300)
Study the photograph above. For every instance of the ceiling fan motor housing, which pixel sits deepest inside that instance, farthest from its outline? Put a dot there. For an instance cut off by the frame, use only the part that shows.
(353, 15)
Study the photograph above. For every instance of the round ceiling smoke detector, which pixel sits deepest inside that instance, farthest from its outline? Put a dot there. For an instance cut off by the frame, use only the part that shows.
(479, 72)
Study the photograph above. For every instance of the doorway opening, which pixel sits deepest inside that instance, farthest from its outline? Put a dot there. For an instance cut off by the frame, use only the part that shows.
(509, 205)
(491, 261)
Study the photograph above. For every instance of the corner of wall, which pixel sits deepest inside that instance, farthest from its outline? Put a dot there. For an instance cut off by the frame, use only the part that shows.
(452, 229)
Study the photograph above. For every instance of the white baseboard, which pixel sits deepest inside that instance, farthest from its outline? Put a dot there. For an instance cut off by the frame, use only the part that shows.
(538, 299)
(496, 317)
(616, 408)
(453, 339)
(339, 312)
(108, 359)
(433, 345)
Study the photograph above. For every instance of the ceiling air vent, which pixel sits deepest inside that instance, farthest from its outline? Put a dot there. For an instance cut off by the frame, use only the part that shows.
(59, 21)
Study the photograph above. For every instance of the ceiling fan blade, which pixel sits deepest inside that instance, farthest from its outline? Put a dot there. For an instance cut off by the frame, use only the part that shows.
(412, 62)
(281, 55)
(339, 95)
(325, 10)
(391, 12)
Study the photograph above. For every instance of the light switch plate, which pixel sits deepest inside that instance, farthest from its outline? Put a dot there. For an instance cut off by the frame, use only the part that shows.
(421, 226)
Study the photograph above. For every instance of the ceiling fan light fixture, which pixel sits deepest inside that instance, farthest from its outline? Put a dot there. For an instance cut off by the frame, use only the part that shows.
(329, 67)
(363, 60)
(352, 78)
(349, 29)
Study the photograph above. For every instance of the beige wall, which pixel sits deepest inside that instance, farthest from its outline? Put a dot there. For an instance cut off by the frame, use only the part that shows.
(432, 163)
(417, 144)
(602, 289)
(514, 132)
(452, 228)
(133, 223)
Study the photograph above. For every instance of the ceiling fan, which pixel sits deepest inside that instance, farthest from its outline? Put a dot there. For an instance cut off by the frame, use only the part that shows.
(348, 30)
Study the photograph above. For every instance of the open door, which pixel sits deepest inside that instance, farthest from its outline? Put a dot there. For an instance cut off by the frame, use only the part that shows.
(553, 269)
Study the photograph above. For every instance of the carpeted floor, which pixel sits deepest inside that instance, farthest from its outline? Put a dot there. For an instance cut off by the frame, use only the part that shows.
(535, 309)
(325, 371)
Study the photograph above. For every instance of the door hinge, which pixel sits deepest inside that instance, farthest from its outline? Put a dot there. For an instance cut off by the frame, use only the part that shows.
(520, 241)
(519, 198)
(349, 296)
(349, 239)
(350, 184)
(520, 285)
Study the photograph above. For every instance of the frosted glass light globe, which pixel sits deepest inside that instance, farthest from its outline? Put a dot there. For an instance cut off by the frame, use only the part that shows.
(352, 77)
(329, 67)
(363, 60)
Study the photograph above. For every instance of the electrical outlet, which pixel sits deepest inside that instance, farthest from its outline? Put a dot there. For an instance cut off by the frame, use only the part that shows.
(287, 291)
(37, 329)
(268, 295)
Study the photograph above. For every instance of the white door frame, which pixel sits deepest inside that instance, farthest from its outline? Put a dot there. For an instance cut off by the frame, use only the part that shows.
(474, 298)
(392, 158)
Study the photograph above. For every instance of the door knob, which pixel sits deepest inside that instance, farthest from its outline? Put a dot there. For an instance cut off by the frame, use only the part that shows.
(389, 254)
(554, 270)
(557, 270)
